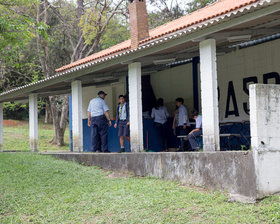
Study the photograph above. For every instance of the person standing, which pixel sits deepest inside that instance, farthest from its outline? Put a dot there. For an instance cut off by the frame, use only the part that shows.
(122, 121)
(183, 124)
(195, 132)
(98, 120)
(160, 115)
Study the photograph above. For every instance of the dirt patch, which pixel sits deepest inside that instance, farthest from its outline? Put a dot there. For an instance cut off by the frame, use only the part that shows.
(115, 174)
(26, 218)
(12, 123)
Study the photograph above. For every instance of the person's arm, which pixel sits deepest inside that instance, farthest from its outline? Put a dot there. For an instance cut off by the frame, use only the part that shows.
(108, 118)
(117, 118)
(166, 112)
(127, 114)
(89, 119)
(196, 129)
(153, 113)
(185, 116)
(173, 125)
(89, 115)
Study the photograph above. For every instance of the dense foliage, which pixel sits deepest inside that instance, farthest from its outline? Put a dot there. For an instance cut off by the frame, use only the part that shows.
(38, 36)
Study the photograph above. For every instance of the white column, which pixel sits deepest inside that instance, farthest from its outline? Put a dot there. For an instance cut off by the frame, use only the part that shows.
(33, 122)
(77, 120)
(265, 138)
(135, 105)
(1, 127)
(209, 95)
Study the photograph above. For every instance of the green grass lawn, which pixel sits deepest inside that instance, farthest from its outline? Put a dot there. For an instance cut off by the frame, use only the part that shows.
(16, 136)
(40, 189)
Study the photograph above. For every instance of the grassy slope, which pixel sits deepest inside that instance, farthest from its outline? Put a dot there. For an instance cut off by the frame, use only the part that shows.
(16, 137)
(40, 189)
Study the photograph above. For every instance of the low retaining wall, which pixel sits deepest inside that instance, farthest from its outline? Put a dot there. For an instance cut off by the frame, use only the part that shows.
(228, 171)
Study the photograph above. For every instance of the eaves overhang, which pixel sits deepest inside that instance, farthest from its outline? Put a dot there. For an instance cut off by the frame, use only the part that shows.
(242, 15)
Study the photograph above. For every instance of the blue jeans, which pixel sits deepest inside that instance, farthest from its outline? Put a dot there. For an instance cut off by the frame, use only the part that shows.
(192, 139)
(99, 133)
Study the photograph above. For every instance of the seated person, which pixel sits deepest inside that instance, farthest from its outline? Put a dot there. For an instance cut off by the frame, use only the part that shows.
(195, 132)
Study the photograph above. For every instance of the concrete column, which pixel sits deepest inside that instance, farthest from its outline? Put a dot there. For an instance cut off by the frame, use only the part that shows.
(135, 105)
(77, 120)
(209, 95)
(265, 137)
(33, 122)
(1, 127)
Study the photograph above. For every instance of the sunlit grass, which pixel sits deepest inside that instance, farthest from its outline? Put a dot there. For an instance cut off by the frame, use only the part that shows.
(40, 189)
(16, 136)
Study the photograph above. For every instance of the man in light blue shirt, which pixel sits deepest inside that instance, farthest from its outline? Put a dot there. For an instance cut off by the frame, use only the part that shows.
(195, 132)
(98, 120)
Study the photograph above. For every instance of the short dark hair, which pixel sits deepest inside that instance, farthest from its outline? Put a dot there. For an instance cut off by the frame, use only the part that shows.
(180, 100)
(160, 102)
(120, 96)
(194, 113)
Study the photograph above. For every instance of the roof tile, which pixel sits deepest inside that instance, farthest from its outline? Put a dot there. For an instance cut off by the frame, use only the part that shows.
(206, 13)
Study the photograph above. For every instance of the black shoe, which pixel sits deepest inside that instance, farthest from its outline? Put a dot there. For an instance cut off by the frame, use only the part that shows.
(121, 150)
(107, 151)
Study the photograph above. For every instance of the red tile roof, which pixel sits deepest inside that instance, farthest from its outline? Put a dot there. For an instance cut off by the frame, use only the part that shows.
(219, 8)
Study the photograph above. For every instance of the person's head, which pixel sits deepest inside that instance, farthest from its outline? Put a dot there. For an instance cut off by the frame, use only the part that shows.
(194, 114)
(121, 99)
(159, 103)
(179, 101)
(102, 94)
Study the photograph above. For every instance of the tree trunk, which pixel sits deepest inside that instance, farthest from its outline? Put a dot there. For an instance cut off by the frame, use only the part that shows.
(58, 135)
(48, 113)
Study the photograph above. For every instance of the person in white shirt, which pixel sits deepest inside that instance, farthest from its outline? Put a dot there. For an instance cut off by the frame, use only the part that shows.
(160, 115)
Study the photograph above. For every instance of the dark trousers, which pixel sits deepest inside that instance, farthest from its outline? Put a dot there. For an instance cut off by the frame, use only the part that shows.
(99, 134)
(162, 133)
(183, 145)
(192, 139)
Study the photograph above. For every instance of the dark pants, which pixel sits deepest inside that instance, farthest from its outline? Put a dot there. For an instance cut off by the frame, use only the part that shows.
(183, 145)
(192, 139)
(99, 133)
(162, 133)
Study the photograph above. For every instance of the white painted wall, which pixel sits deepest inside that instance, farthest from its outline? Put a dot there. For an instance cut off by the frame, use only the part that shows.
(1, 127)
(33, 122)
(113, 91)
(209, 95)
(77, 122)
(135, 107)
(265, 129)
(173, 83)
(252, 61)
(235, 66)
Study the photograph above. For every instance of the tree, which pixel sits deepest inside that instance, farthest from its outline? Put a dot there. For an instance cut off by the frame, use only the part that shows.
(82, 26)
(17, 63)
(165, 11)
(198, 4)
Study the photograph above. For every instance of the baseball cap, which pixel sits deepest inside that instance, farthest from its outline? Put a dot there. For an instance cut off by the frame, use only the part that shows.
(102, 92)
